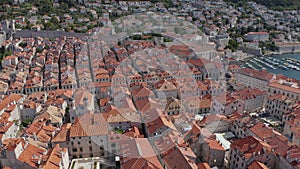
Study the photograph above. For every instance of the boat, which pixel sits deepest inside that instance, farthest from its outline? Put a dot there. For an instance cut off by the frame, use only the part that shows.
(283, 67)
(256, 63)
(250, 66)
(266, 64)
(270, 61)
(294, 60)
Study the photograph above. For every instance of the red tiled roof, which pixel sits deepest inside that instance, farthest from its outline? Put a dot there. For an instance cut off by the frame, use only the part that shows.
(198, 62)
(234, 67)
(293, 155)
(211, 118)
(261, 130)
(166, 142)
(224, 98)
(89, 125)
(203, 166)
(248, 93)
(249, 145)
(285, 87)
(214, 144)
(147, 104)
(164, 85)
(155, 120)
(53, 158)
(259, 74)
(8, 100)
(142, 92)
(257, 165)
(31, 155)
(104, 101)
(35, 127)
(278, 97)
(181, 50)
(11, 143)
(134, 132)
(80, 95)
(182, 157)
(63, 134)
(279, 144)
(137, 154)
(235, 116)
(287, 79)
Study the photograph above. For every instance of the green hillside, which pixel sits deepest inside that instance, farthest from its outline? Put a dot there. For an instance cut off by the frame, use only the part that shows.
(274, 4)
(280, 4)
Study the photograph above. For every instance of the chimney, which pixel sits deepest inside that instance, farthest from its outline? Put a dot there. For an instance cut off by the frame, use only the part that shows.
(85, 102)
(39, 160)
(118, 163)
(34, 136)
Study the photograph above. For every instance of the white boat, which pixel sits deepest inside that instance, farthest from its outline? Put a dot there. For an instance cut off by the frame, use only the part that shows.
(250, 66)
(283, 67)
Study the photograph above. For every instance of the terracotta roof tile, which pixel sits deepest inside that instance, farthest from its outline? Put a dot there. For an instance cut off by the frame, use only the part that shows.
(248, 93)
(261, 130)
(31, 155)
(203, 166)
(9, 99)
(134, 132)
(259, 74)
(63, 134)
(182, 157)
(89, 125)
(214, 144)
(53, 158)
(11, 143)
(257, 165)
(249, 145)
(138, 153)
(142, 92)
(167, 141)
(285, 87)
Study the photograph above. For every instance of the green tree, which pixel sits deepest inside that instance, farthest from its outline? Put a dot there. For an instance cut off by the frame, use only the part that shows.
(26, 122)
(39, 50)
(232, 44)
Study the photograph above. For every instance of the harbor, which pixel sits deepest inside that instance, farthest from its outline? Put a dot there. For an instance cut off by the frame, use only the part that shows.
(286, 64)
